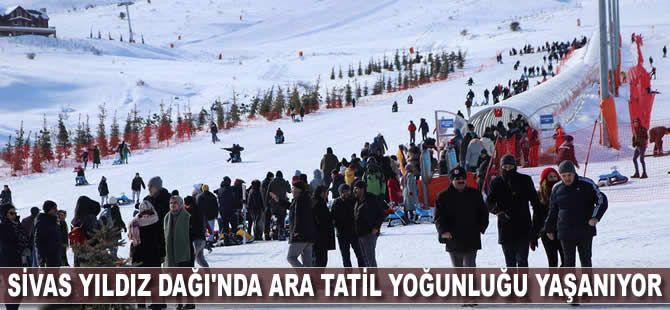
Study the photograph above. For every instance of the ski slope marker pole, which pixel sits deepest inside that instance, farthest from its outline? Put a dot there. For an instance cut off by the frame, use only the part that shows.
(588, 155)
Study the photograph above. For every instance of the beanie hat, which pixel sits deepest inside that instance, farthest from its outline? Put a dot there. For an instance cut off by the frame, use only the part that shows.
(189, 201)
(179, 200)
(546, 172)
(457, 172)
(300, 185)
(360, 184)
(48, 205)
(567, 166)
(226, 181)
(329, 150)
(156, 182)
(279, 174)
(270, 175)
(34, 211)
(508, 159)
(205, 188)
(343, 187)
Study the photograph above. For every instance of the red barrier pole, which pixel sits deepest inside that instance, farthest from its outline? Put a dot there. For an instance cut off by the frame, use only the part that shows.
(586, 164)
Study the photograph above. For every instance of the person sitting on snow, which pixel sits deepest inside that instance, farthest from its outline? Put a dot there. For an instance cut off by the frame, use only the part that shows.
(235, 153)
(279, 136)
(80, 179)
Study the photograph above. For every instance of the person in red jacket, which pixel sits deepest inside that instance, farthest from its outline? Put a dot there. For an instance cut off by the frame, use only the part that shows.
(640, 144)
(656, 136)
(395, 193)
(566, 152)
(412, 132)
(559, 136)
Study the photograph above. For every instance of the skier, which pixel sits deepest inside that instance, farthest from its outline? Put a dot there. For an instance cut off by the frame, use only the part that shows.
(548, 179)
(656, 136)
(410, 100)
(103, 191)
(84, 158)
(279, 136)
(96, 157)
(302, 229)
(640, 145)
(6, 196)
(136, 186)
(213, 130)
(576, 205)
(235, 153)
(423, 126)
(508, 198)
(412, 132)
(394, 107)
(323, 220)
(461, 218)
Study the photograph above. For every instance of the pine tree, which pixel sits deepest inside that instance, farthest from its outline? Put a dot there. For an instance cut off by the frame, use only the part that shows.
(360, 69)
(102, 134)
(357, 92)
(339, 75)
(399, 80)
(365, 89)
(460, 59)
(128, 128)
(389, 85)
(79, 140)
(142, 38)
(99, 35)
(234, 113)
(332, 73)
(280, 103)
(218, 107)
(44, 142)
(202, 118)
(255, 105)
(266, 103)
(396, 60)
(8, 154)
(98, 250)
(18, 158)
(348, 94)
(63, 140)
(35, 159)
(328, 99)
(114, 139)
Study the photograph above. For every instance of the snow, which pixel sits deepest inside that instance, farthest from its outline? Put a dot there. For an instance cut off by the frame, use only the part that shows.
(80, 73)
(10, 9)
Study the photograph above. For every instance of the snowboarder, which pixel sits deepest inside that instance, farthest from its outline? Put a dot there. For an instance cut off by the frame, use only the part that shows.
(640, 145)
(412, 132)
(423, 126)
(509, 196)
(394, 107)
(235, 153)
(656, 136)
(279, 136)
(103, 190)
(96, 157)
(6, 196)
(576, 205)
(213, 130)
(84, 158)
(136, 186)
(461, 218)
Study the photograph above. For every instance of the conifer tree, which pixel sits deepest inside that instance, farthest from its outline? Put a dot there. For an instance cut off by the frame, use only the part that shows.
(44, 143)
(357, 91)
(365, 89)
(339, 75)
(360, 69)
(217, 106)
(63, 140)
(98, 250)
(234, 113)
(114, 139)
(280, 102)
(332, 73)
(348, 95)
(102, 134)
(35, 159)
(294, 100)
(255, 105)
(18, 158)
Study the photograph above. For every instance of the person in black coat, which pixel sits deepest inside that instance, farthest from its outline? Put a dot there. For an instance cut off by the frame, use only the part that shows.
(197, 232)
(208, 205)
(278, 201)
(256, 210)
(508, 198)
(325, 234)
(28, 224)
(302, 229)
(266, 206)
(136, 186)
(6, 196)
(460, 217)
(227, 209)
(13, 239)
(160, 200)
(86, 218)
(342, 212)
(147, 249)
(47, 236)
(576, 205)
(96, 157)
(368, 218)
(103, 190)
(64, 236)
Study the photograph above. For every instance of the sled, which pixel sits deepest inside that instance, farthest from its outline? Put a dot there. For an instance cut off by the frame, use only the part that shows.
(117, 161)
(123, 200)
(296, 120)
(279, 140)
(395, 215)
(424, 216)
(613, 178)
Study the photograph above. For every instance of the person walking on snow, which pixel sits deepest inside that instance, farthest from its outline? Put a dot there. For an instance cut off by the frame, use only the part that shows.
(302, 229)
(125, 152)
(423, 126)
(197, 232)
(461, 218)
(103, 190)
(213, 130)
(567, 151)
(368, 218)
(342, 212)
(640, 144)
(412, 132)
(553, 249)
(665, 51)
(136, 186)
(84, 158)
(576, 206)
(324, 240)
(96, 157)
(328, 163)
(177, 228)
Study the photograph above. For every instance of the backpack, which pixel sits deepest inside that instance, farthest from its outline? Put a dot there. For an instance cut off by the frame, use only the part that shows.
(77, 236)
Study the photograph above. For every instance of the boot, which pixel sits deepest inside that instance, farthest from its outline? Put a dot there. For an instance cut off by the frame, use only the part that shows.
(636, 175)
(644, 175)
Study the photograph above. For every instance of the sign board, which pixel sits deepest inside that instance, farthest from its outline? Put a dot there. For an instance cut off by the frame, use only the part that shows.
(546, 119)
(446, 123)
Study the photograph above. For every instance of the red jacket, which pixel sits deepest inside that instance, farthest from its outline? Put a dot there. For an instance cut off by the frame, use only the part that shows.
(395, 194)
(566, 152)
(640, 136)
(411, 127)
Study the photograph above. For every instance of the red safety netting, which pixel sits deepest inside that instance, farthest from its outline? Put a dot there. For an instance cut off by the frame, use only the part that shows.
(641, 98)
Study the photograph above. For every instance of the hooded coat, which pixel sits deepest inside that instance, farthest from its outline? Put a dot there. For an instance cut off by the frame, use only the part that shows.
(317, 180)
(325, 232)
(48, 240)
(13, 241)
(208, 205)
(410, 190)
(301, 219)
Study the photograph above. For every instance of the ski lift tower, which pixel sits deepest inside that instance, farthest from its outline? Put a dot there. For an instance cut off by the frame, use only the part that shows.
(130, 28)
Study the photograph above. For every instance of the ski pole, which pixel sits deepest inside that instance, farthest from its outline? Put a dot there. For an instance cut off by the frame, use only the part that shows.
(588, 155)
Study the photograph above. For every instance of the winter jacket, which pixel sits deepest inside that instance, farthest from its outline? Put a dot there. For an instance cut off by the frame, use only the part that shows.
(137, 184)
(264, 191)
(342, 212)
(411, 127)
(161, 202)
(197, 222)
(464, 215)
(151, 248)
(656, 134)
(177, 238)
(423, 127)
(238, 196)
(393, 188)
(472, 155)
(280, 188)
(489, 145)
(5, 197)
(465, 143)
(414, 158)
(85, 215)
(349, 176)
(301, 218)
(640, 137)
(566, 152)
(48, 241)
(410, 191)
(323, 220)
(483, 166)
(13, 243)
(572, 206)
(226, 201)
(208, 205)
(317, 180)
(338, 180)
(328, 163)
(511, 195)
(368, 214)
(96, 156)
(102, 188)
(28, 224)
(255, 198)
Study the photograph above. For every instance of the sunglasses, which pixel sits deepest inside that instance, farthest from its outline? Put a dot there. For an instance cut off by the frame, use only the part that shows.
(11, 213)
